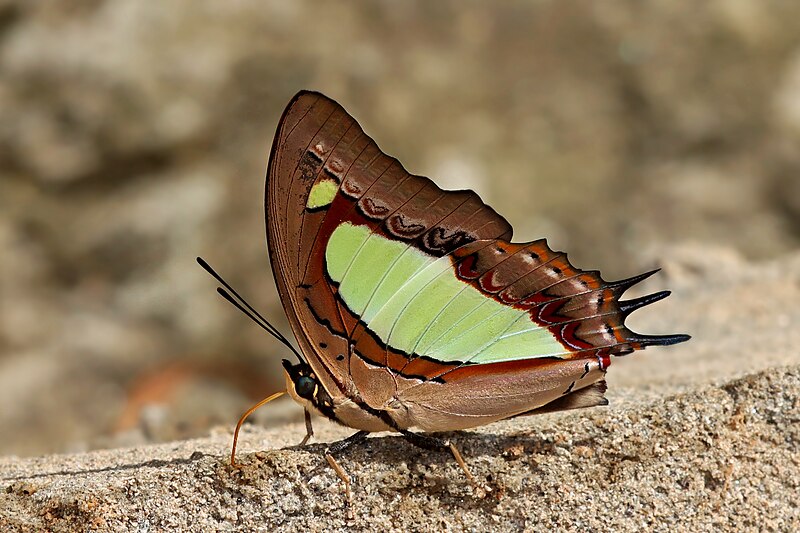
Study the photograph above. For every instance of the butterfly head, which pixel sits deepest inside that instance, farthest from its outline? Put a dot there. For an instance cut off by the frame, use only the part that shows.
(303, 385)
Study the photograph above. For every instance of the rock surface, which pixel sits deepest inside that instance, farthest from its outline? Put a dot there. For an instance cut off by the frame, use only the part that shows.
(723, 457)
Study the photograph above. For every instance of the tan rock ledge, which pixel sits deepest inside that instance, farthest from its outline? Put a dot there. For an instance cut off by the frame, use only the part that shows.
(718, 457)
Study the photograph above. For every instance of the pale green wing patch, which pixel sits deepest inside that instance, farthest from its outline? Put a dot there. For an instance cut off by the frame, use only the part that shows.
(322, 193)
(415, 303)
(358, 260)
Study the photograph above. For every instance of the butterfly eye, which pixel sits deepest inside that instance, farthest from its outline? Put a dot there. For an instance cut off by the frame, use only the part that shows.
(304, 386)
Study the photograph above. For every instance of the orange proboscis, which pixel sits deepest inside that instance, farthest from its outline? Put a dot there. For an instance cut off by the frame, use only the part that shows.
(244, 417)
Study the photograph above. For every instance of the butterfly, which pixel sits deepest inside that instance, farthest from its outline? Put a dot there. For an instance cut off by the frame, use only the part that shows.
(413, 310)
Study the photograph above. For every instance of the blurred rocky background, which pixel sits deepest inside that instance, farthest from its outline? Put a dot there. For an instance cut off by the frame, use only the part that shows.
(134, 137)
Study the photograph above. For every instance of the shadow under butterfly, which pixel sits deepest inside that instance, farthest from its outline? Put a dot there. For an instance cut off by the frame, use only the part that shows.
(411, 306)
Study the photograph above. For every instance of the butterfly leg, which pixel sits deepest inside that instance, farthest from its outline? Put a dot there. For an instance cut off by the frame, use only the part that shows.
(309, 428)
(434, 443)
(337, 447)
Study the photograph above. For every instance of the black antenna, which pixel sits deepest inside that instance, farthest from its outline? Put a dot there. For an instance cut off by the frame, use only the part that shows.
(247, 309)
